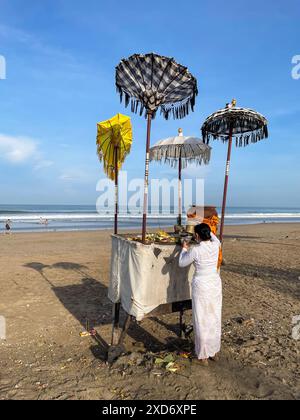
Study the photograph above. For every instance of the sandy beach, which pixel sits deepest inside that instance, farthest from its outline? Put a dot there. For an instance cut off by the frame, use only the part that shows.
(51, 283)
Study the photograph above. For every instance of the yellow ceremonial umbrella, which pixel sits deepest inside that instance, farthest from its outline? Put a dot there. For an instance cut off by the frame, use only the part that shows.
(114, 139)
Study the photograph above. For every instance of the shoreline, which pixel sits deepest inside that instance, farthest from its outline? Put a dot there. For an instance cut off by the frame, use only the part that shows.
(132, 228)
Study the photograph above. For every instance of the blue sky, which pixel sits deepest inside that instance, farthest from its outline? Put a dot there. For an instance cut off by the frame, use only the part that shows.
(61, 55)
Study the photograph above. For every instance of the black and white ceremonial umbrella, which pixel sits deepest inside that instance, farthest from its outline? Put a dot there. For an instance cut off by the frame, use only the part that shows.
(243, 124)
(151, 82)
(181, 151)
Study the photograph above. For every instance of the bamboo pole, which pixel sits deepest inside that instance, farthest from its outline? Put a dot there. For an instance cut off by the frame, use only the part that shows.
(116, 190)
(226, 185)
(180, 134)
(180, 191)
(146, 181)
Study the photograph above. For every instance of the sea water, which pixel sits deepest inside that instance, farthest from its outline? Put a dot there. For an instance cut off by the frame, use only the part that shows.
(30, 218)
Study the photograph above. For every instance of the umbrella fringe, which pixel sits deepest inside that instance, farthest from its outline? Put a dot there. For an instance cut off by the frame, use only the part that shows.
(171, 155)
(137, 106)
(110, 169)
(185, 162)
(177, 110)
(242, 124)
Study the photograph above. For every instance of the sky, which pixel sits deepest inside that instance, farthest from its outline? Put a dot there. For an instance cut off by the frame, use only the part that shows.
(60, 81)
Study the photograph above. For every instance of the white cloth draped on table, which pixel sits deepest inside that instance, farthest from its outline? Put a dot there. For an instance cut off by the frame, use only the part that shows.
(143, 277)
(206, 296)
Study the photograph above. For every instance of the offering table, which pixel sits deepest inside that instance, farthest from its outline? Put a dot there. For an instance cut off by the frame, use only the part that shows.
(146, 281)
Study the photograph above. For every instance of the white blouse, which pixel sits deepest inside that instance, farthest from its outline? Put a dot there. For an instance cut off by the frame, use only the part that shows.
(204, 256)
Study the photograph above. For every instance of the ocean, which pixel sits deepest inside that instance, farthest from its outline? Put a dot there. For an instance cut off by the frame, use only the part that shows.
(29, 218)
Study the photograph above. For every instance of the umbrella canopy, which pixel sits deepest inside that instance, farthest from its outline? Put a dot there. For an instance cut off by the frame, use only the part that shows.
(189, 149)
(246, 125)
(114, 141)
(181, 150)
(151, 81)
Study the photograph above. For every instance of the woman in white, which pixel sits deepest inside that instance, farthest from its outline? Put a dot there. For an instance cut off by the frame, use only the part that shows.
(206, 292)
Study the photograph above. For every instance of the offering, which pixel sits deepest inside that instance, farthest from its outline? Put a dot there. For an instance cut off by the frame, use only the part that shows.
(199, 214)
(160, 237)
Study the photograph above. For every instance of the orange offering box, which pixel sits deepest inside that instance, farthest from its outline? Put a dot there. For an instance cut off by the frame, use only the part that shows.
(209, 215)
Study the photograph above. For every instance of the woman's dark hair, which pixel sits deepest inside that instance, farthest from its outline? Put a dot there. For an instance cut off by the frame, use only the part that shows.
(203, 231)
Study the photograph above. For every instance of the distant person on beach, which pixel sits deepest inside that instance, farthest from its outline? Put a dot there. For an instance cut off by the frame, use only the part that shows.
(44, 221)
(206, 293)
(8, 227)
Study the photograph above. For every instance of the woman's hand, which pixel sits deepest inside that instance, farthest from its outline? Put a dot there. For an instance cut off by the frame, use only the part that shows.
(185, 245)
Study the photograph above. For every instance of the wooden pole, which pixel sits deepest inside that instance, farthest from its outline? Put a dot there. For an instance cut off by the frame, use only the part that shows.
(180, 191)
(146, 184)
(181, 326)
(180, 134)
(116, 190)
(226, 185)
(126, 325)
(116, 307)
(116, 322)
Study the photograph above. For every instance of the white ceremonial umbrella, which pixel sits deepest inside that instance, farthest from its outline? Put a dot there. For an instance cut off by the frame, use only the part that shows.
(181, 150)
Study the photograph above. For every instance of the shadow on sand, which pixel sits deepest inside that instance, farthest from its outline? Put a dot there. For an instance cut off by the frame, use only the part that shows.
(280, 280)
(87, 300)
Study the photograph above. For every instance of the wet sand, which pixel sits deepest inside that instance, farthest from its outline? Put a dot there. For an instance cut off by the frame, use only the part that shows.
(51, 283)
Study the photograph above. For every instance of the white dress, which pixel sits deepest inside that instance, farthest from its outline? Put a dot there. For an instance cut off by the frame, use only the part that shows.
(206, 296)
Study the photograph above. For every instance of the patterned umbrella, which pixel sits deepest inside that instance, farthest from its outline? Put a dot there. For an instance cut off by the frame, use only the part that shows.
(150, 82)
(181, 150)
(245, 125)
(114, 141)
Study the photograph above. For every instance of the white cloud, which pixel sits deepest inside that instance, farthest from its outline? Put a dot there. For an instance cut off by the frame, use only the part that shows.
(78, 176)
(59, 61)
(68, 177)
(43, 164)
(33, 42)
(73, 176)
(20, 150)
(17, 149)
